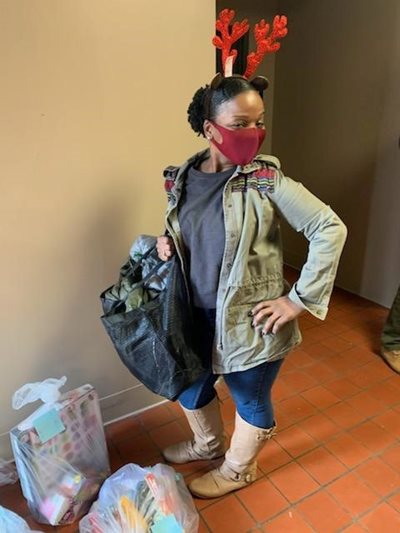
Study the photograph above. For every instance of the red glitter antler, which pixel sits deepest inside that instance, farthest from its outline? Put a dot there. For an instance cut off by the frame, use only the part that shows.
(227, 39)
(265, 44)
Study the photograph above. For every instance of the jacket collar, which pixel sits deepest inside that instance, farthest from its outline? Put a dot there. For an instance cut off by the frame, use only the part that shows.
(258, 161)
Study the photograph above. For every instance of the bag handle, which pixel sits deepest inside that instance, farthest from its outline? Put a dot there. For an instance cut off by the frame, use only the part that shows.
(154, 270)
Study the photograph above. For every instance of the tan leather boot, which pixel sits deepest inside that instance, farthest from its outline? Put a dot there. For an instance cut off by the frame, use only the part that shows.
(208, 441)
(392, 357)
(239, 468)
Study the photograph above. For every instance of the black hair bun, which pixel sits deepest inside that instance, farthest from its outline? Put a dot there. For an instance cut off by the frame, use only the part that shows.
(196, 114)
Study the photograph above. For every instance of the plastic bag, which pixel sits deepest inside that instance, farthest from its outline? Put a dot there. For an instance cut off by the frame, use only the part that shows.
(60, 451)
(8, 473)
(148, 317)
(12, 523)
(142, 500)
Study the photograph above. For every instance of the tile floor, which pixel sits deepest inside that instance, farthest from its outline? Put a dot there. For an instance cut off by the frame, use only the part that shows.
(335, 463)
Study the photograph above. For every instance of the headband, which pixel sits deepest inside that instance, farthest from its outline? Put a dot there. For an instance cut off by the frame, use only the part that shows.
(266, 42)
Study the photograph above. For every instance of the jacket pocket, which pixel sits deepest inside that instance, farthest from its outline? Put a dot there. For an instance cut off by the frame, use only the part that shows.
(243, 341)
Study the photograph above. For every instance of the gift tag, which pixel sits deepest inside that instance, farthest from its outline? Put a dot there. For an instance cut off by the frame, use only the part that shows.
(168, 524)
(48, 425)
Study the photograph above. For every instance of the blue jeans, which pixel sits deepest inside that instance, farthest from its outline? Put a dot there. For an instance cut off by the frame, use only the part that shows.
(250, 389)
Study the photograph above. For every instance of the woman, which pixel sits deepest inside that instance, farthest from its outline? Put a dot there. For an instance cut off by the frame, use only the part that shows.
(223, 222)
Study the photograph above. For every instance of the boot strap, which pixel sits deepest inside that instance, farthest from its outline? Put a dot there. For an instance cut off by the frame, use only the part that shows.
(267, 434)
(228, 472)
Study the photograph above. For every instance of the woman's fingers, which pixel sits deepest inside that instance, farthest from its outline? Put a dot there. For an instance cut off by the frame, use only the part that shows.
(165, 248)
(270, 324)
(273, 314)
(262, 314)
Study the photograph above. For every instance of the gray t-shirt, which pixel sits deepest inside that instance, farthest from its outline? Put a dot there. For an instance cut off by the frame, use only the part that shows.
(202, 224)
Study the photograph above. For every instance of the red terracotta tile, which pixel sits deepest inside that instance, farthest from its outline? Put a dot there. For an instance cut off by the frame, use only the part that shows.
(115, 459)
(288, 522)
(348, 450)
(344, 415)
(372, 436)
(293, 482)
(156, 416)
(389, 421)
(297, 408)
(354, 528)
(175, 409)
(360, 355)
(370, 406)
(335, 326)
(356, 336)
(316, 334)
(392, 457)
(262, 500)
(272, 456)
(381, 519)
(301, 358)
(379, 476)
(168, 434)
(394, 381)
(337, 344)
(323, 513)
(321, 372)
(320, 397)
(295, 441)
(43, 528)
(11, 498)
(395, 501)
(385, 392)
(123, 428)
(140, 449)
(203, 528)
(228, 410)
(371, 373)
(353, 494)
(228, 515)
(318, 352)
(322, 465)
(342, 363)
(298, 380)
(305, 323)
(281, 391)
(194, 467)
(342, 388)
(320, 427)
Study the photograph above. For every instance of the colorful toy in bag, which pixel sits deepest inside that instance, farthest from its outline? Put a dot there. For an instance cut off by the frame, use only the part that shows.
(142, 500)
(60, 451)
(12, 523)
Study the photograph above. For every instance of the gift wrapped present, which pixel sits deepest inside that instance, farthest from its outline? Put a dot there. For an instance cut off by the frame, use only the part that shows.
(60, 451)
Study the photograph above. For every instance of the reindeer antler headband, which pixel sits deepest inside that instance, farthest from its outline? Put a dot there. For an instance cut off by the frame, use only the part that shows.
(266, 42)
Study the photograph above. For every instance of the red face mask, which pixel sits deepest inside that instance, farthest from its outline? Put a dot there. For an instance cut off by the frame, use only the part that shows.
(239, 146)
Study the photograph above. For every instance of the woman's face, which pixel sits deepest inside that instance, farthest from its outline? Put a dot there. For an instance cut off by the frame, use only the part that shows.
(246, 110)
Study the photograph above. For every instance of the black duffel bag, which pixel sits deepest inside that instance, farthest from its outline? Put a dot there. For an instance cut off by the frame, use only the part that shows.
(149, 321)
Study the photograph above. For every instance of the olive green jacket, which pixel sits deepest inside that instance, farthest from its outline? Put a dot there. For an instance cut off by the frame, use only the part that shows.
(254, 198)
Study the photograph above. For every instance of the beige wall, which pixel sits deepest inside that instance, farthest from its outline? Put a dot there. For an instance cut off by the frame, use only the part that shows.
(93, 103)
(336, 118)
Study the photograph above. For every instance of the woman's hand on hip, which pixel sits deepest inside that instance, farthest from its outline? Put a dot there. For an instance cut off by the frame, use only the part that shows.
(165, 248)
(273, 314)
